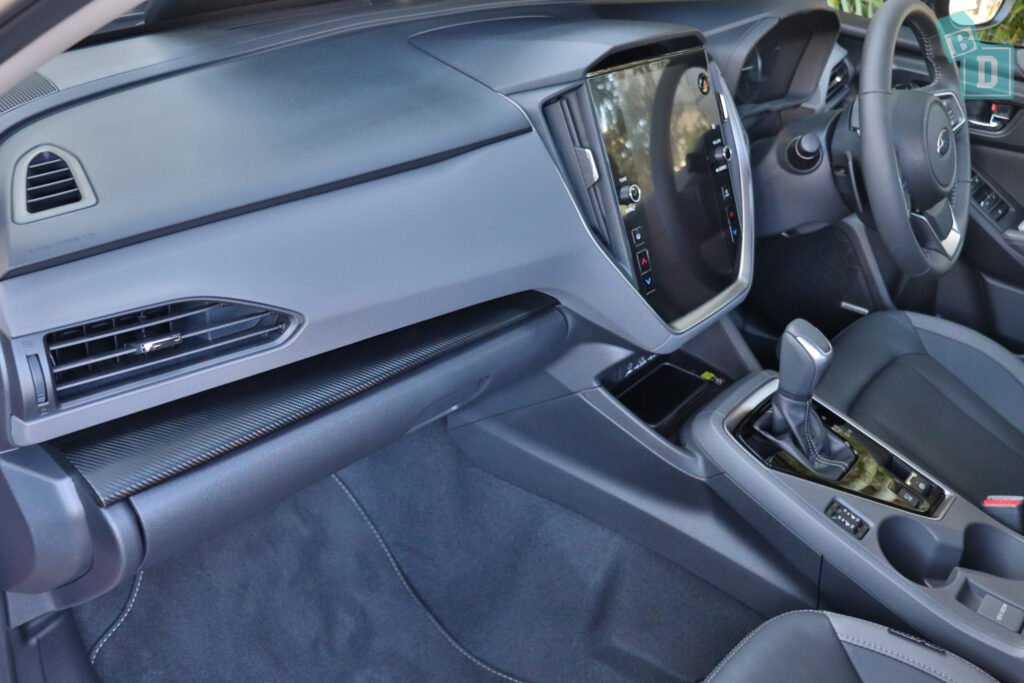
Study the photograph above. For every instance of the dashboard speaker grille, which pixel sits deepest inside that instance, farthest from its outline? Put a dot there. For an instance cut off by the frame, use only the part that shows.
(32, 88)
(106, 354)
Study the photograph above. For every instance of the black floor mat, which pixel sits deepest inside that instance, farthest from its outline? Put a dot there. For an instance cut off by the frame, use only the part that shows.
(305, 591)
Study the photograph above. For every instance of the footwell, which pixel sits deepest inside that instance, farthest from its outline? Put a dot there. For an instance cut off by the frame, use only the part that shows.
(414, 565)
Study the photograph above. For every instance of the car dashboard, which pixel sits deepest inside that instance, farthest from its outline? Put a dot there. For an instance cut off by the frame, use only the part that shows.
(311, 182)
(230, 242)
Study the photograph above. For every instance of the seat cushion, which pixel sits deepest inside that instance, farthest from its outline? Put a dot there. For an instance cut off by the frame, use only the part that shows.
(938, 394)
(810, 646)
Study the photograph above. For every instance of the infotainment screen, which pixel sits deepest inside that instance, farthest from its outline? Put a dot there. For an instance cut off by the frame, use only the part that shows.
(662, 131)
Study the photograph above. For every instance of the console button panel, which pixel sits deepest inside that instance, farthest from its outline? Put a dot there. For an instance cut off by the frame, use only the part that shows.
(847, 520)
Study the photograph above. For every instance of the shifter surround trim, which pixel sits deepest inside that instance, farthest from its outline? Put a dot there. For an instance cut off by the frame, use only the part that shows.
(739, 417)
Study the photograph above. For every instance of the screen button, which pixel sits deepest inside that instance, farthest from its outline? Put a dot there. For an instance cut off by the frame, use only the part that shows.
(647, 283)
(637, 235)
(643, 261)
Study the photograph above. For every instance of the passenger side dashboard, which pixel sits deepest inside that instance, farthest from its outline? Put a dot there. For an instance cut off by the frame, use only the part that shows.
(326, 196)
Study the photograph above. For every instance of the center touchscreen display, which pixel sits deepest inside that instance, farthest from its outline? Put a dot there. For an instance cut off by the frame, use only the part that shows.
(662, 131)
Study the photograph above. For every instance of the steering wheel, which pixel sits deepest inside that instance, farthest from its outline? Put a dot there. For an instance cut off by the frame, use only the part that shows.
(914, 148)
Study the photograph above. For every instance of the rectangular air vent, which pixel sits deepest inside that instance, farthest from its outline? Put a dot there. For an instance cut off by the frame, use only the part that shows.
(838, 82)
(109, 353)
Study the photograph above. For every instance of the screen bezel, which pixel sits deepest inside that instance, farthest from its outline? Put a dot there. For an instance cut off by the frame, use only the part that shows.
(667, 50)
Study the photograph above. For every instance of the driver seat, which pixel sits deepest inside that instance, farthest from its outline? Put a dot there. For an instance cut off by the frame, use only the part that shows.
(947, 397)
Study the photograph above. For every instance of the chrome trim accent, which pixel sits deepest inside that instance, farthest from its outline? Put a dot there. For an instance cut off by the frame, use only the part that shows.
(743, 189)
(994, 121)
(853, 308)
(952, 240)
(946, 94)
(161, 343)
(766, 390)
(585, 157)
(813, 351)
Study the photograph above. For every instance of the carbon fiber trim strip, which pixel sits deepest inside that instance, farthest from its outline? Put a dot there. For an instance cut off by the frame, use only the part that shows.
(121, 458)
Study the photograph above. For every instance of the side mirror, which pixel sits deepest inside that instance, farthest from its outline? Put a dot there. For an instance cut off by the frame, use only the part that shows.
(983, 13)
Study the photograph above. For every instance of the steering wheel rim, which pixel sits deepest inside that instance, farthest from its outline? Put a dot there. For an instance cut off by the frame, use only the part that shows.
(922, 220)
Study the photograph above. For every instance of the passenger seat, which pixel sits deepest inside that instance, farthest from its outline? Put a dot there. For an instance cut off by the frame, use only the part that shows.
(808, 646)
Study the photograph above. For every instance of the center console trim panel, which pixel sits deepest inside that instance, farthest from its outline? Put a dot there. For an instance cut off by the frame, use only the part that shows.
(932, 574)
(765, 392)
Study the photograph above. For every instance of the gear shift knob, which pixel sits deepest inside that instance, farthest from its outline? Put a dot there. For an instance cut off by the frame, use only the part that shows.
(804, 356)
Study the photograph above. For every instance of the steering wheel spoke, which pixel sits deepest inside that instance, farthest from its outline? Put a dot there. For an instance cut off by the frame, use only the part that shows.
(936, 229)
(952, 102)
(914, 145)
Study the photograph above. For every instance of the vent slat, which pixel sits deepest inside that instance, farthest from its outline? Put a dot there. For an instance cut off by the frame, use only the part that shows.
(227, 325)
(132, 328)
(838, 80)
(94, 359)
(55, 195)
(227, 341)
(49, 188)
(49, 183)
(103, 355)
(52, 163)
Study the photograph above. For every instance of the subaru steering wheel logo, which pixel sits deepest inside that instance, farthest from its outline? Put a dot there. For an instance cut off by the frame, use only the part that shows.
(942, 144)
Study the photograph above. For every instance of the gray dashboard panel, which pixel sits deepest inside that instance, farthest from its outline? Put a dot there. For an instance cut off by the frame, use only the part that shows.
(251, 131)
(396, 243)
(526, 53)
(356, 262)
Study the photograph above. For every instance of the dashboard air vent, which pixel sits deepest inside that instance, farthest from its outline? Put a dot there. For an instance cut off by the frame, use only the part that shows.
(49, 183)
(838, 82)
(107, 354)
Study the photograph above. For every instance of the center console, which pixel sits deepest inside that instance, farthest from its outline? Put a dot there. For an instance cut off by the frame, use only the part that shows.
(928, 556)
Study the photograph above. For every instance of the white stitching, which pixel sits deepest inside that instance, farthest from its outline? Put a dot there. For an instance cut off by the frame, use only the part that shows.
(124, 615)
(408, 587)
(974, 666)
(813, 447)
(892, 654)
(750, 635)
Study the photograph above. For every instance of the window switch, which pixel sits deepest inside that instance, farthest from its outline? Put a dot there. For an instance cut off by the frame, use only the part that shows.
(1002, 612)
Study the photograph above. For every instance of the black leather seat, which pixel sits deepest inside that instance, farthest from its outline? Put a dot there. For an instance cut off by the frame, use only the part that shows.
(801, 647)
(947, 397)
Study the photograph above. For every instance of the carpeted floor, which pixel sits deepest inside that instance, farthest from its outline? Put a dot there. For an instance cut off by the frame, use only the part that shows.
(489, 581)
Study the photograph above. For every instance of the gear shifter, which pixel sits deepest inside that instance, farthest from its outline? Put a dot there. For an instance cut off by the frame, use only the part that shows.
(792, 424)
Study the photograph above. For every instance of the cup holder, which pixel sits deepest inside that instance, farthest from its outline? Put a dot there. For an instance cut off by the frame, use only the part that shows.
(916, 552)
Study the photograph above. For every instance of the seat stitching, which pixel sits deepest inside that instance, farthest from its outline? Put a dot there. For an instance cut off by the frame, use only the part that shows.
(892, 654)
(409, 589)
(124, 615)
(813, 447)
(750, 635)
(974, 666)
